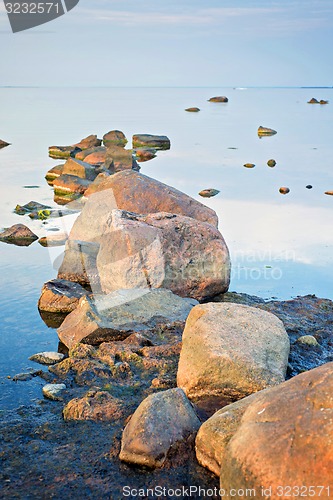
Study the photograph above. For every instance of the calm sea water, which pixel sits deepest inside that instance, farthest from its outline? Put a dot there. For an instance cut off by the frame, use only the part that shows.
(281, 246)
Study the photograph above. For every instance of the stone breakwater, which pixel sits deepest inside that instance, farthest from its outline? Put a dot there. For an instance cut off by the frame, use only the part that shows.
(188, 376)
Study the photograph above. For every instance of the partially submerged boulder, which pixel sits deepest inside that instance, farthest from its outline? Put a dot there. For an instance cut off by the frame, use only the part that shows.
(60, 296)
(114, 138)
(161, 421)
(275, 439)
(53, 173)
(144, 154)
(66, 151)
(32, 206)
(151, 141)
(122, 313)
(82, 155)
(19, 235)
(135, 192)
(4, 144)
(230, 351)
(69, 187)
(192, 110)
(47, 358)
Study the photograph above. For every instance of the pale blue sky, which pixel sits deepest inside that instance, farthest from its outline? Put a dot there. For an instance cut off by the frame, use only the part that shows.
(175, 43)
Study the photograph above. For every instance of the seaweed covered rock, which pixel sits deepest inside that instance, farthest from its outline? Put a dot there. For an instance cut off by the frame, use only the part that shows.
(151, 141)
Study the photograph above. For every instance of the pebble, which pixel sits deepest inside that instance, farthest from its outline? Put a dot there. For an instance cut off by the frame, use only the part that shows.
(192, 110)
(329, 193)
(308, 186)
(53, 391)
(284, 190)
(47, 358)
(308, 340)
(271, 163)
(249, 165)
(208, 193)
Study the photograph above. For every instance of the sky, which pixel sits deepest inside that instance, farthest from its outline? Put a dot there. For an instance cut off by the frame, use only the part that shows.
(209, 43)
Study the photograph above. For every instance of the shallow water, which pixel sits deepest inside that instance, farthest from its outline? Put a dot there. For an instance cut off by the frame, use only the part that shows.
(281, 246)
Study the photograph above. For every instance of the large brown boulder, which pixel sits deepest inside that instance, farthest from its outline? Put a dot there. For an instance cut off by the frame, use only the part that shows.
(117, 249)
(230, 351)
(278, 439)
(135, 192)
(122, 313)
(163, 251)
(161, 420)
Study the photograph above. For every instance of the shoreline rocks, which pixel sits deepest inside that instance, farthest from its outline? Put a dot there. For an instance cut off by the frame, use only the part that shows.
(59, 152)
(230, 351)
(60, 296)
(274, 437)
(122, 313)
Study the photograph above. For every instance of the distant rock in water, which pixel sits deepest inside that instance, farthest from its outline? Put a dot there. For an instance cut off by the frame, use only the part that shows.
(330, 193)
(152, 141)
(19, 235)
(313, 101)
(271, 163)
(32, 206)
(218, 99)
(192, 110)
(208, 193)
(284, 190)
(308, 186)
(249, 165)
(264, 131)
(114, 138)
(322, 101)
(4, 144)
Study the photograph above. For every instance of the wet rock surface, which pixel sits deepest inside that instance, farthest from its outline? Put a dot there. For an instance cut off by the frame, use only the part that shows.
(76, 458)
(161, 420)
(60, 296)
(151, 141)
(118, 315)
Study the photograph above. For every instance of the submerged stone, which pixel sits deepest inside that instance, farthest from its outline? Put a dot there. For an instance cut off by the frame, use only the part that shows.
(4, 144)
(263, 131)
(218, 99)
(192, 110)
(32, 206)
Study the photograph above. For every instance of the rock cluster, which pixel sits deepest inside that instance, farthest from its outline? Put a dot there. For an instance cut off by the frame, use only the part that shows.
(138, 260)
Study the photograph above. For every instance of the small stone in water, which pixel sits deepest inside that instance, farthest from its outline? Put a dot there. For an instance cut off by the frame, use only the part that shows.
(192, 110)
(208, 193)
(308, 340)
(308, 186)
(249, 165)
(47, 358)
(284, 190)
(53, 391)
(329, 193)
(271, 163)
(313, 101)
